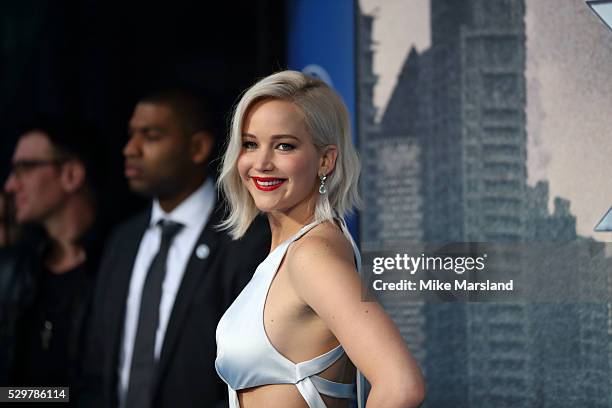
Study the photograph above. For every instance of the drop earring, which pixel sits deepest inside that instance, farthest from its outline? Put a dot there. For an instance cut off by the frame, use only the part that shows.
(322, 188)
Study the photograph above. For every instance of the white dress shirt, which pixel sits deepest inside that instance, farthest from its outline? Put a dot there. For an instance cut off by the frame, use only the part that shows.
(193, 213)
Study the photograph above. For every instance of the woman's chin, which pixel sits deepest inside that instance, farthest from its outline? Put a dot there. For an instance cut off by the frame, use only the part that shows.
(266, 207)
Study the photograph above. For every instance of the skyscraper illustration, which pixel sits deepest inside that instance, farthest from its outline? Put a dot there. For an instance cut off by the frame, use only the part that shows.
(447, 163)
(391, 187)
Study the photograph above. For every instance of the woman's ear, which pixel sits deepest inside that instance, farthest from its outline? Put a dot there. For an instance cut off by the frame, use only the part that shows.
(73, 175)
(327, 163)
(201, 147)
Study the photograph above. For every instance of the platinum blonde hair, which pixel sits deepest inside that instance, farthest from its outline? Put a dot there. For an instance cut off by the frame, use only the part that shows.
(327, 121)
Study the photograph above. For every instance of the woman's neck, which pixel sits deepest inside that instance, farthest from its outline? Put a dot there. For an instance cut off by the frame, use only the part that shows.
(284, 226)
(286, 223)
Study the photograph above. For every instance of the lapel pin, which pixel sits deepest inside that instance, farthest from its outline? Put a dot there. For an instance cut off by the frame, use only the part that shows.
(202, 251)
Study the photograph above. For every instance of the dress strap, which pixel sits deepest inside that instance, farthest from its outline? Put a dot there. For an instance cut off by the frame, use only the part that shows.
(332, 388)
(319, 363)
(311, 385)
(303, 231)
(348, 236)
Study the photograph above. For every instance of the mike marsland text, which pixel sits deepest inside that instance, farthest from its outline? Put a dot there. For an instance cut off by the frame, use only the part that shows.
(437, 285)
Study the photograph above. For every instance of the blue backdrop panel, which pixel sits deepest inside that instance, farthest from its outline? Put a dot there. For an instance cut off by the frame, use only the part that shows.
(321, 42)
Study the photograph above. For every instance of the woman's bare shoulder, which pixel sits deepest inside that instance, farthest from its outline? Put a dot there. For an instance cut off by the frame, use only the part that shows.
(324, 242)
(323, 250)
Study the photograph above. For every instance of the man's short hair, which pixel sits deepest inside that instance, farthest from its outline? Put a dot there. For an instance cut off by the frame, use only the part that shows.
(192, 111)
(71, 138)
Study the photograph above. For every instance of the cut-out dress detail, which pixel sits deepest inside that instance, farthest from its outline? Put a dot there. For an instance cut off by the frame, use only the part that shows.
(245, 356)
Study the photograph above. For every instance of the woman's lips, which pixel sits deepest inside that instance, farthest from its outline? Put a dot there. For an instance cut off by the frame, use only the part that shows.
(267, 183)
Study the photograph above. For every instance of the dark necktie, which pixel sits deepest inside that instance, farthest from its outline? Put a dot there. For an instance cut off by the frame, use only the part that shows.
(143, 365)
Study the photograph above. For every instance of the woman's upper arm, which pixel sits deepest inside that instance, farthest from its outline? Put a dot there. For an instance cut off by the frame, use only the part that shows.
(324, 276)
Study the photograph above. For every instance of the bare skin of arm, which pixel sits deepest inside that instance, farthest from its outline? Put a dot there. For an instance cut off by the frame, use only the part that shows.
(333, 290)
(315, 302)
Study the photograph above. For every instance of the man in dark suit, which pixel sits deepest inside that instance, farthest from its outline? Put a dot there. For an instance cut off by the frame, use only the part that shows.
(168, 274)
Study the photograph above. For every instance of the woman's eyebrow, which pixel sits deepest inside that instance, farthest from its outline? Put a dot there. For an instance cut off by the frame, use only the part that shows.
(273, 137)
(284, 136)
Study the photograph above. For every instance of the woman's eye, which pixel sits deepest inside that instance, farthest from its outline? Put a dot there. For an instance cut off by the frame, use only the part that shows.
(249, 145)
(285, 146)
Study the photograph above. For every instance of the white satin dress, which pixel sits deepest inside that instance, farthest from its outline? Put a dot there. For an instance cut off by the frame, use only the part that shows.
(245, 356)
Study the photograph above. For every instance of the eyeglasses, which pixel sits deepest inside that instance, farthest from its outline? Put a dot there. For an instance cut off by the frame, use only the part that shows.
(20, 167)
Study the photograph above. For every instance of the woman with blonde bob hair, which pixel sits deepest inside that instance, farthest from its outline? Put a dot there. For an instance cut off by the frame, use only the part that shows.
(291, 337)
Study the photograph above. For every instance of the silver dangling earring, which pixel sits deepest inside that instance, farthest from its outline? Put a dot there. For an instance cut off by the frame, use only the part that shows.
(322, 189)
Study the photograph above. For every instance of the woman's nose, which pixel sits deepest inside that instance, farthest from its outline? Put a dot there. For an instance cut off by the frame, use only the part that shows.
(264, 160)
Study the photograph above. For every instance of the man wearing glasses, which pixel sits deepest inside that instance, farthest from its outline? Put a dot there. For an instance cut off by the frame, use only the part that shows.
(45, 289)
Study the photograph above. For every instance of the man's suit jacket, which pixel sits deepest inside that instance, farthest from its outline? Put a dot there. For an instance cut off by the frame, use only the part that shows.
(186, 375)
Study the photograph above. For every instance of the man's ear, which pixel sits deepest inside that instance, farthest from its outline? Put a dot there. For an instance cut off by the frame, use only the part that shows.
(73, 175)
(327, 163)
(201, 147)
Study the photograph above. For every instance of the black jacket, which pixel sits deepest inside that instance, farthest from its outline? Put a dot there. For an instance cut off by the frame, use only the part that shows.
(17, 275)
(186, 375)
(21, 269)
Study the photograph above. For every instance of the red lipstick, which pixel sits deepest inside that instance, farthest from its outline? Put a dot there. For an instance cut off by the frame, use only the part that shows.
(267, 183)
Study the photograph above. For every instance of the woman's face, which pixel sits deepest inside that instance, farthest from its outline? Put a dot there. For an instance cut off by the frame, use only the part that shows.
(279, 163)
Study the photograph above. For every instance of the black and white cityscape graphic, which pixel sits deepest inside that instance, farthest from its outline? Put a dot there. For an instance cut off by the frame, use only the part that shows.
(446, 161)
